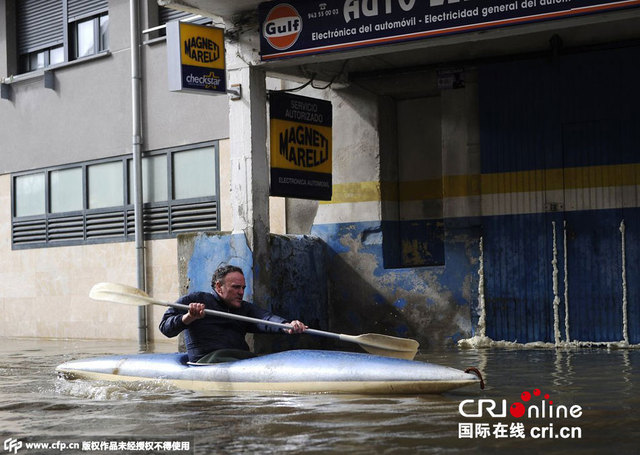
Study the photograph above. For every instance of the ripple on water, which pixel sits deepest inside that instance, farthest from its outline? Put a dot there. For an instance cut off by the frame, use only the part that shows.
(33, 400)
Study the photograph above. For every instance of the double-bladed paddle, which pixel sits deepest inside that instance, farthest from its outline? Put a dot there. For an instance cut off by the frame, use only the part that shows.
(402, 348)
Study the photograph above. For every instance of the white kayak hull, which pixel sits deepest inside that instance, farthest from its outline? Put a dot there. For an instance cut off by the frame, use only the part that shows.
(302, 371)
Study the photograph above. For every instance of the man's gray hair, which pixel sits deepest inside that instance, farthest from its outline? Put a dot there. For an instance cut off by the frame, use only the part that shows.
(223, 271)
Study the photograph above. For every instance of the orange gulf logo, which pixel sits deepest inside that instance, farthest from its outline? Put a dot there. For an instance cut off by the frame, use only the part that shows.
(282, 26)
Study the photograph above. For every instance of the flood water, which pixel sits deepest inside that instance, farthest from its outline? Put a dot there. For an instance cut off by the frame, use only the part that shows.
(600, 386)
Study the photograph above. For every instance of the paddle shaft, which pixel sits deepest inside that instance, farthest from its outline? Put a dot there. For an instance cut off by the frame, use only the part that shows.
(371, 342)
(223, 314)
(239, 317)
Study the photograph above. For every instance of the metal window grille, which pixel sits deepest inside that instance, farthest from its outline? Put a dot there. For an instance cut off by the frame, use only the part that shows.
(164, 220)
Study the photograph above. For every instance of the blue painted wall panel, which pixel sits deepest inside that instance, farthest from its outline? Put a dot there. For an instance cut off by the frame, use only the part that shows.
(210, 251)
(413, 243)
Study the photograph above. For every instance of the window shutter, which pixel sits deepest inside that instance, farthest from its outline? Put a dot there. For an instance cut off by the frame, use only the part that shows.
(168, 15)
(40, 25)
(79, 9)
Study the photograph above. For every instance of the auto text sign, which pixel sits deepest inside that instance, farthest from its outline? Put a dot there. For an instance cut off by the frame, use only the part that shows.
(300, 143)
(195, 54)
(295, 28)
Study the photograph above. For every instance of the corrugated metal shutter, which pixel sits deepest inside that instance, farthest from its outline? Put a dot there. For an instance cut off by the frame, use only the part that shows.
(168, 15)
(40, 24)
(570, 138)
(517, 236)
(82, 8)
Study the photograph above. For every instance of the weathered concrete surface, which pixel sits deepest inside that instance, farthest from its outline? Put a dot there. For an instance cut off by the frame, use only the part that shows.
(430, 304)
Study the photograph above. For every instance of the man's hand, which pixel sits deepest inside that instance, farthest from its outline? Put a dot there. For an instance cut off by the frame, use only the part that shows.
(296, 327)
(196, 311)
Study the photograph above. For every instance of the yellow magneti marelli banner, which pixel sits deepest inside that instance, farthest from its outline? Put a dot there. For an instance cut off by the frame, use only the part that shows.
(201, 46)
(300, 146)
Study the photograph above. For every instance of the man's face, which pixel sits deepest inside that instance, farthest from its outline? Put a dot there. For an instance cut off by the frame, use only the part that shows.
(231, 290)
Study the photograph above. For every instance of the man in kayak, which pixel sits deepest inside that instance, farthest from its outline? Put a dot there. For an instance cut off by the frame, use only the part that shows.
(214, 339)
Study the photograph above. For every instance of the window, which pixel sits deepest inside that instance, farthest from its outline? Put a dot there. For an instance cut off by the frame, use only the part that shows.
(65, 186)
(154, 179)
(40, 59)
(85, 203)
(192, 173)
(29, 195)
(105, 185)
(54, 31)
(91, 36)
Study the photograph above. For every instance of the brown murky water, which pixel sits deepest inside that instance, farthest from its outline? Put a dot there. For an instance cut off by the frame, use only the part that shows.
(599, 386)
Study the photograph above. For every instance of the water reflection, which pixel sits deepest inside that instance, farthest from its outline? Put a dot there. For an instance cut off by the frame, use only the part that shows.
(33, 401)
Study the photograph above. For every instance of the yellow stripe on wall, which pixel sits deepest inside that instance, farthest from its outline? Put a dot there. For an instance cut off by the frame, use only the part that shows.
(484, 184)
(354, 192)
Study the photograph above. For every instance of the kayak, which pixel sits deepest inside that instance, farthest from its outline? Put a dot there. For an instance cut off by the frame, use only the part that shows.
(299, 371)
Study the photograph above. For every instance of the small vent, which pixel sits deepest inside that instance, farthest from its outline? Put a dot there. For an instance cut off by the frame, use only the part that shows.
(65, 228)
(194, 217)
(26, 232)
(131, 222)
(155, 220)
(108, 224)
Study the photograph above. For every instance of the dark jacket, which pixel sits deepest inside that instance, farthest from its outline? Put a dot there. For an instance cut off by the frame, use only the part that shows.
(210, 333)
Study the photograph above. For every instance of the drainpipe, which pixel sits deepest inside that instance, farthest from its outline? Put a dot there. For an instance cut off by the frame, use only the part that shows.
(136, 126)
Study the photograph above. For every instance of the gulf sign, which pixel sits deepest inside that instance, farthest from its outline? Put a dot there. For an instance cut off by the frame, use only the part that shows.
(282, 26)
(300, 146)
(195, 54)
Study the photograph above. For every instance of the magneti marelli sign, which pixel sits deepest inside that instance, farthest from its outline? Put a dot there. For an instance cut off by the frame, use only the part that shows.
(196, 59)
(301, 146)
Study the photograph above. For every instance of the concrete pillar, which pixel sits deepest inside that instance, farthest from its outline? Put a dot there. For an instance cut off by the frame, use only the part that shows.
(249, 165)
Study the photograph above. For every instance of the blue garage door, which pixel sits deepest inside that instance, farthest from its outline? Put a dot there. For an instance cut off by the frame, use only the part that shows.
(561, 145)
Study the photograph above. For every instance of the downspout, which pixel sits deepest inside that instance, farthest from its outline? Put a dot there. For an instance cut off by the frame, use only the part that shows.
(136, 126)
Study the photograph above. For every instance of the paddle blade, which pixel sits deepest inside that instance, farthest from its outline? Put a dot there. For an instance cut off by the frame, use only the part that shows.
(388, 346)
(120, 293)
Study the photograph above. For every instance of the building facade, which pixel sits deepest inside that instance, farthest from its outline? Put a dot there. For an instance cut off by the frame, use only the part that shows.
(485, 167)
(67, 177)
